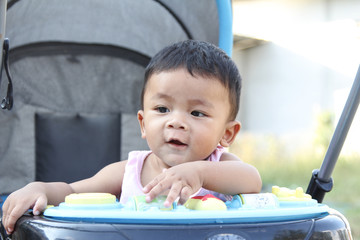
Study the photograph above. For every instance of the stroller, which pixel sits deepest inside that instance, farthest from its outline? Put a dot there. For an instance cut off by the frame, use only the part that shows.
(77, 67)
(78, 70)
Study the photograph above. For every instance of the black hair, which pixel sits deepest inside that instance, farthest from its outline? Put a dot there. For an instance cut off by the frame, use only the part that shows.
(200, 59)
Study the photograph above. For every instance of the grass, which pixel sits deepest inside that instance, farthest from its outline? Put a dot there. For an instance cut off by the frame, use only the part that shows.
(277, 167)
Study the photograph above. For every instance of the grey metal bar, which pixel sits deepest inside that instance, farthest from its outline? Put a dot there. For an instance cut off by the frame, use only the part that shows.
(341, 131)
(3, 6)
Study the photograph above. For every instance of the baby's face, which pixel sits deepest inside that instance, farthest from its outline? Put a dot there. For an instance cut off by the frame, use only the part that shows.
(184, 117)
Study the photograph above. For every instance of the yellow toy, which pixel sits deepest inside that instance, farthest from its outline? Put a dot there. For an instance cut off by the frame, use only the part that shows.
(286, 194)
(90, 198)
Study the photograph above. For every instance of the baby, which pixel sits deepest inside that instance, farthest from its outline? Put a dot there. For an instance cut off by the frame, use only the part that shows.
(190, 101)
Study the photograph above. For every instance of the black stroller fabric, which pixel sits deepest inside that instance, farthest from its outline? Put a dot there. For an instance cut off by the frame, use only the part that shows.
(85, 139)
(77, 70)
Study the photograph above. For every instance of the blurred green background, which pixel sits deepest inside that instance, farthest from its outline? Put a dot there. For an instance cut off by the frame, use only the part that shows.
(295, 171)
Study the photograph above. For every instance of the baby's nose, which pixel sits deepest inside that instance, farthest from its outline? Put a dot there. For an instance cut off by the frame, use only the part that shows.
(178, 122)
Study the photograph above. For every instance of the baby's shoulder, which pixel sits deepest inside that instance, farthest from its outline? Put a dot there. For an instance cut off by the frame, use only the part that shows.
(226, 156)
(135, 156)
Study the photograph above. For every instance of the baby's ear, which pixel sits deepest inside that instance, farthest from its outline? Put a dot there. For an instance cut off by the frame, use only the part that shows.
(232, 129)
(140, 116)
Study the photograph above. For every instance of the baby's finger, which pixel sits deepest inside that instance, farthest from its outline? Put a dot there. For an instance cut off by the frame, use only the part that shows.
(11, 217)
(153, 183)
(157, 190)
(6, 211)
(173, 194)
(186, 192)
(40, 205)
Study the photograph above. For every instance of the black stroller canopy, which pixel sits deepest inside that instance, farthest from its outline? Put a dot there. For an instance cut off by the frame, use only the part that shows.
(87, 58)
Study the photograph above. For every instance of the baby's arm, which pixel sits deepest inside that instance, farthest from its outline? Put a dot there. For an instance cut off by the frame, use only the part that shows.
(229, 176)
(37, 195)
(107, 180)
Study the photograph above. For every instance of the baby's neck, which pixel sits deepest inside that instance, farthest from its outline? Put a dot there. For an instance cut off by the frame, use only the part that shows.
(152, 167)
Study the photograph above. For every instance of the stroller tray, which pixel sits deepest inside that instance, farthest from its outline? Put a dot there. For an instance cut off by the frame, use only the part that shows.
(243, 208)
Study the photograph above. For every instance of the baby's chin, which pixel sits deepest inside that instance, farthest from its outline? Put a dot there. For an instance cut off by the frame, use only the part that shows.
(173, 160)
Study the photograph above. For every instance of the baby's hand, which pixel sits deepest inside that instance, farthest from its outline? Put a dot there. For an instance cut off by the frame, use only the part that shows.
(182, 180)
(19, 202)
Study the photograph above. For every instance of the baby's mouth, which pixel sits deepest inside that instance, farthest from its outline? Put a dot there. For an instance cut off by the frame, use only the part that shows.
(176, 142)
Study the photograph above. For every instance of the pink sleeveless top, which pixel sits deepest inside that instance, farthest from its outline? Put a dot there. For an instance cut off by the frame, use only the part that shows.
(131, 185)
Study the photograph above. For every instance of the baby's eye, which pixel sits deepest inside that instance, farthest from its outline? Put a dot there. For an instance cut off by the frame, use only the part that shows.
(162, 109)
(197, 114)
